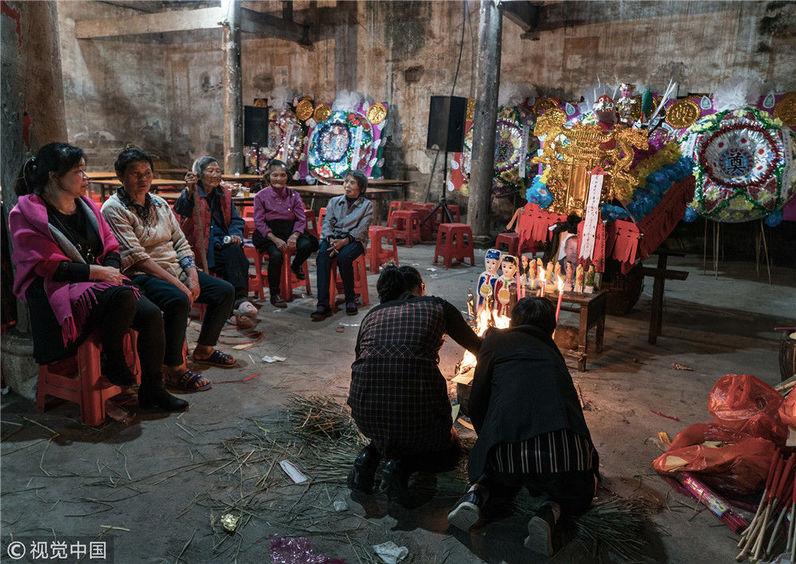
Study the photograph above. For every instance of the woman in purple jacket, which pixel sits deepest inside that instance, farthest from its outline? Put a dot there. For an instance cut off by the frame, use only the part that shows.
(280, 225)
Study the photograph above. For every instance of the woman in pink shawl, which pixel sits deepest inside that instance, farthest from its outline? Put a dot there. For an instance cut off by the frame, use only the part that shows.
(67, 270)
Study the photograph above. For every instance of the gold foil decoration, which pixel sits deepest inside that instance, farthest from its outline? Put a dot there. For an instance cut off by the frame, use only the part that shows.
(260, 103)
(304, 109)
(785, 109)
(589, 146)
(376, 113)
(549, 121)
(470, 108)
(682, 113)
(322, 112)
(544, 104)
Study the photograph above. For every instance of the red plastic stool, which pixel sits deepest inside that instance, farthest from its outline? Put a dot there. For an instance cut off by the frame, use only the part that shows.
(395, 205)
(256, 279)
(406, 224)
(427, 228)
(454, 241)
(512, 242)
(312, 225)
(378, 255)
(360, 281)
(288, 281)
(79, 379)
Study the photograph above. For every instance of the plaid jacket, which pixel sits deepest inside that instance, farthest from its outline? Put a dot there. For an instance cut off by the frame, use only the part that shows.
(398, 396)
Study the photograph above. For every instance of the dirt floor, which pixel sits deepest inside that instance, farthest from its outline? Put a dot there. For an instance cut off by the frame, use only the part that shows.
(156, 486)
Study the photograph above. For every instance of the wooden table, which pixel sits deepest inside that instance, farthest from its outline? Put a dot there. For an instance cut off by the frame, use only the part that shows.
(325, 191)
(392, 184)
(660, 274)
(179, 173)
(591, 308)
(109, 184)
(101, 175)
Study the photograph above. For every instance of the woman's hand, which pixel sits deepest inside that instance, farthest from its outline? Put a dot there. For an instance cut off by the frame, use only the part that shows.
(280, 244)
(291, 242)
(190, 182)
(236, 240)
(105, 274)
(336, 244)
(193, 286)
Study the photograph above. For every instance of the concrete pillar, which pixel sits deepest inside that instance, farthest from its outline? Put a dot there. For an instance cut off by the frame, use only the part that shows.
(486, 96)
(30, 83)
(233, 89)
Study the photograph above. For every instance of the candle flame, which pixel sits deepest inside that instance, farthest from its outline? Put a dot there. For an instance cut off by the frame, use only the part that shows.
(560, 283)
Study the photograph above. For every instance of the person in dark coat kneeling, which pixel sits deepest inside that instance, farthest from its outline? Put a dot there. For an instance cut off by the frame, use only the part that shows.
(530, 425)
(398, 397)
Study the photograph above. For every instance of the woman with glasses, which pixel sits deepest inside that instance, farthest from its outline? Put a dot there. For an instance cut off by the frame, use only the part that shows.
(215, 231)
(398, 397)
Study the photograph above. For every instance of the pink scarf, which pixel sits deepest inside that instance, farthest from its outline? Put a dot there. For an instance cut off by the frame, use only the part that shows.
(37, 254)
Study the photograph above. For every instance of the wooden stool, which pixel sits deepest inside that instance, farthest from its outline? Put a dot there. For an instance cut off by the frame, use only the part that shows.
(360, 281)
(378, 255)
(79, 379)
(591, 308)
(454, 241)
(406, 224)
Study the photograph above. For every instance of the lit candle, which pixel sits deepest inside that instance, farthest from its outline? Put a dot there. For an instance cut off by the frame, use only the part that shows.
(560, 284)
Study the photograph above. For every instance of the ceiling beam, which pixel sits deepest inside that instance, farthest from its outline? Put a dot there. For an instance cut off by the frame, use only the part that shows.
(161, 22)
(189, 20)
(267, 25)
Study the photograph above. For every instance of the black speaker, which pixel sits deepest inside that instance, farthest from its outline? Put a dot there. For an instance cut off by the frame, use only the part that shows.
(446, 117)
(255, 126)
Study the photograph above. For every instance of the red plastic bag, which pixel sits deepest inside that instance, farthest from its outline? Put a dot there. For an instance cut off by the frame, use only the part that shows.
(731, 462)
(748, 405)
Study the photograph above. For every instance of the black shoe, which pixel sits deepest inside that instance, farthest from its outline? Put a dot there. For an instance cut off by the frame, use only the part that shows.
(117, 373)
(150, 397)
(278, 301)
(541, 528)
(363, 474)
(299, 273)
(321, 313)
(351, 308)
(394, 481)
(467, 510)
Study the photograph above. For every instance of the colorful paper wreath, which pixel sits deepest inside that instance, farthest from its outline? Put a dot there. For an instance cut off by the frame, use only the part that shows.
(333, 149)
(743, 165)
(508, 153)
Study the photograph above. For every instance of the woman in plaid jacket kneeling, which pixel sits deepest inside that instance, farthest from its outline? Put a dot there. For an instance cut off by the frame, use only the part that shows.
(398, 397)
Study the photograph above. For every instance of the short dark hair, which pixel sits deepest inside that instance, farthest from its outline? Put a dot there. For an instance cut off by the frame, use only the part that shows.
(394, 282)
(359, 176)
(534, 311)
(412, 277)
(59, 158)
(131, 155)
(269, 168)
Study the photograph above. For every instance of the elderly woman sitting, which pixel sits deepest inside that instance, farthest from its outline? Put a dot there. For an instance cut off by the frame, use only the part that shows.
(158, 258)
(281, 228)
(215, 230)
(344, 235)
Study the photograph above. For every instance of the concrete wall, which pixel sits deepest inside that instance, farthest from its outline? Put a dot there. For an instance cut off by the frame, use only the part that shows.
(165, 93)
